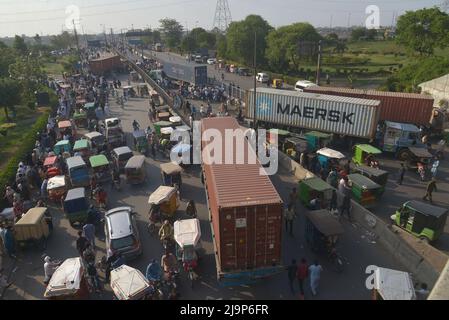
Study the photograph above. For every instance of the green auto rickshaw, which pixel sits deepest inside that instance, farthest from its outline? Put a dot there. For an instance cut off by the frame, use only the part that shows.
(161, 124)
(312, 188)
(101, 168)
(421, 219)
(83, 147)
(365, 154)
(90, 110)
(364, 191)
(140, 142)
(293, 146)
(377, 175)
(317, 140)
(61, 147)
(80, 119)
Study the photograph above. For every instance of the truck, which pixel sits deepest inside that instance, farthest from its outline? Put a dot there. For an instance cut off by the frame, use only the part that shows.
(191, 73)
(245, 213)
(345, 116)
(395, 106)
(105, 64)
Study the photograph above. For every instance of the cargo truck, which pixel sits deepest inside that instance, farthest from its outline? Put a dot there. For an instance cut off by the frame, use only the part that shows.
(245, 212)
(105, 64)
(191, 73)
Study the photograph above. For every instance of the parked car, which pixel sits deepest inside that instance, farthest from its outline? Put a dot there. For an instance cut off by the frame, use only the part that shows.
(122, 235)
(244, 72)
(302, 84)
(211, 61)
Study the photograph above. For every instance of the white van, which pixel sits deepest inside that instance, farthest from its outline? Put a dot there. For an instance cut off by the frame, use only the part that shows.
(262, 77)
(302, 84)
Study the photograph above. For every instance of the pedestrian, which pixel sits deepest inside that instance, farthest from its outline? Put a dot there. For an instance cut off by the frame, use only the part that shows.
(292, 199)
(302, 274)
(291, 270)
(401, 174)
(434, 169)
(315, 274)
(88, 254)
(9, 242)
(333, 203)
(49, 268)
(431, 187)
(332, 177)
(89, 233)
(81, 243)
(289, 216)
(346, 207)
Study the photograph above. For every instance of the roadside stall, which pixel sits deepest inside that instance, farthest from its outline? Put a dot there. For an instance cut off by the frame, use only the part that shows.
(32, 229)
(312, 188)
(68, 282)
(171, 174)
(135, 170)
(129, 284)
(167, 199)
(364, 191)
(56, 188)
(78, 172)
(392, 284)
(101, 168)
(76, 206)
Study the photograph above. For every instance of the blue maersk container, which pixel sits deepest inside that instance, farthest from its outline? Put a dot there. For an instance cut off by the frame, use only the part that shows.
(188, 72)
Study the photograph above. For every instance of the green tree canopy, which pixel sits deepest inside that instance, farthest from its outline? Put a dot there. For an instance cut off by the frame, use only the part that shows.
(423, 30)
(284, 52)
(240, 40)
(171, 32)
(9, 94)
(63, 40)
(198, 38)
(20, 46)
(7, 57)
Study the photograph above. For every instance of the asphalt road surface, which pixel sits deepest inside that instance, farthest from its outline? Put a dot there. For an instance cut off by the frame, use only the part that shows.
(356, 246)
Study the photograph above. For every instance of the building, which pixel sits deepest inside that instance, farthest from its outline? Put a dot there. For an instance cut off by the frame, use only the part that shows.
(438, 88)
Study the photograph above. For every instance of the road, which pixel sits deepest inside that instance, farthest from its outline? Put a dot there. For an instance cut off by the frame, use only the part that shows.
(356, 247)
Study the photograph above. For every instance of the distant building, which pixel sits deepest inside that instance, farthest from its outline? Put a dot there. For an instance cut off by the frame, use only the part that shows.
(438, 88)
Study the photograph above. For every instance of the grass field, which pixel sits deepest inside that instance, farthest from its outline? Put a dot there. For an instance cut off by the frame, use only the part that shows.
(55, 66)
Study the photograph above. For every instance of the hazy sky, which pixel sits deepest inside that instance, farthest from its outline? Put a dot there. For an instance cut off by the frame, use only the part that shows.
(50, 16)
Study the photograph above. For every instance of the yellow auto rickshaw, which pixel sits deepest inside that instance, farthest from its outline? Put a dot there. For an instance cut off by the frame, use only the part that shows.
(135, 170)
(278, 83)
(32, 228)
(167, 199)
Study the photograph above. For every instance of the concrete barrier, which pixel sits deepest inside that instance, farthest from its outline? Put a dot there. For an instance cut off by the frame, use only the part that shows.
(415, 260)
(440, 291)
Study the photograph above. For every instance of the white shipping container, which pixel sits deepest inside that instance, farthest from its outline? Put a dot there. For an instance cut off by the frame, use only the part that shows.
(340, 115)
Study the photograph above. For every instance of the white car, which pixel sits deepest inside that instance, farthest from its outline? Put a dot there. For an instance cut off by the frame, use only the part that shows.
(211, 61)
(262, 77)
(302, 84)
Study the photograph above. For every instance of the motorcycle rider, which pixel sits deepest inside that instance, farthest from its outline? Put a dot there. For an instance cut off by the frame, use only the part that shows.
(136, 125)
(166, 231)
(154, 271)
(169, 262)
(116, 179)
(191, 209)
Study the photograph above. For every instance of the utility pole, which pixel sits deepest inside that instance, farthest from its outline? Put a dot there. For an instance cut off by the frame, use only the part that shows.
(318, 64)
(255, 90)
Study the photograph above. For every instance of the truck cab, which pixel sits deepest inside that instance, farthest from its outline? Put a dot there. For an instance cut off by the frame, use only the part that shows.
(398, 137)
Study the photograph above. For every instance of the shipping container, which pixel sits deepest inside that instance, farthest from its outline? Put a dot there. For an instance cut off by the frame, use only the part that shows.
(340, 115)
(245, 213)
(105, 64)
(395, 106)
(188, 72)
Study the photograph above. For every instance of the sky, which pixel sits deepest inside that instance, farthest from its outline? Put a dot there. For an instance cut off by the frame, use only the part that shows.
(52, 16)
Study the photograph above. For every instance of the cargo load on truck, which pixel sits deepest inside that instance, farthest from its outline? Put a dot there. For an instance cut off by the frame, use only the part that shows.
(245, 212)
(104, 64)
(340, 115)
(191, 73)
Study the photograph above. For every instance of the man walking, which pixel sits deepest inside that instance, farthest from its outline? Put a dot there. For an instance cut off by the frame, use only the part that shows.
(81, 243)
(315, 275)
(89, 233)
(431, 187)
(302, 274)
(401, 174)
(289, 216)
(292, 269)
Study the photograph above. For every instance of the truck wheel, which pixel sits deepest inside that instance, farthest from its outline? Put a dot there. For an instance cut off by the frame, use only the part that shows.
(403, 155)
(424, 239)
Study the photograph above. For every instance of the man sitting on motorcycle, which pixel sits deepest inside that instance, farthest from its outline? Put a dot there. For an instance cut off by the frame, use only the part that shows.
(191, 209)
(154, 271)
(136, 125)
(169, 262)
(166, 232)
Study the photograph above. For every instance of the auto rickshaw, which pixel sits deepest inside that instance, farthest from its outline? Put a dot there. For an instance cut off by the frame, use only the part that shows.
(80, 119)
(78, 172)
(329, 158)
(187, 235)
(120, 157)
(171, 174)
(76, 206)
(421, 219)
(66, 125)
(278, 84)
(154, 96)
(101, 168)
(135, 170)
(317, 140)
(32, 228)
(50, 167)
(392, 284)
(376, 175)
(140, 142)
(142, 90)
(61, 147)
(365, 154)
(83, 147)
(167, 199)
(90, 110)
(416, 156)
(364, 191)
(129, 284)
(175, 120)
(322, 232)
(97, 141)
(277, 134)
(314, 187)
(68, 282)
(161, 124)
(56, 188)
(163, 116)
(294, 146)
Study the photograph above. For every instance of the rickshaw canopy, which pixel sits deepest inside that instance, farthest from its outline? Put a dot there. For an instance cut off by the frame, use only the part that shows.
(187, 232)
(363, 181)
(80, 144)
(90, 105)
(74, 194)
(93, 135)
(122, 150)
(64, 124)
(279, 132)
(170, 168)
(128, 283)
(127, 87)
(393, 285)
(135, 162)
(98, 161)
(330, 153)
(163, 124)
(49, 161)
(181, 148)
(64, 86)
(183, 128)
(325, 223)
(161, 194)
(317, 184)
(368, 149)
(56, 182)
(174, 119)
(318, 134)
(75, 162)
(32, 217)
(425, 208)
(66, 280)
(63, 143)
(167, 130)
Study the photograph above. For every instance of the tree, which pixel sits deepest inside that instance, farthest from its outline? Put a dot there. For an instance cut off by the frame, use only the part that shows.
(423, 30)
(171, 31)
(288, 45)
(340, 47)
(240, 40)
(37, 38)
(221, 44)
(332, 36)
(9, 94)
(7, 57)
(358, 33)
(370, 34)
(63, 40)
(20, 46)
(188, 44)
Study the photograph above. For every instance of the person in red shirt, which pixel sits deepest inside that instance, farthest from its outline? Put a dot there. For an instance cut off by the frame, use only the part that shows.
(302, 274)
